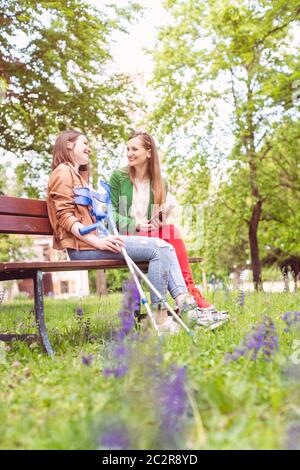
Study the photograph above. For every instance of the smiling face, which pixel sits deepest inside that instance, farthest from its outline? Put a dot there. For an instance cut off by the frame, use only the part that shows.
(137, 155)
(80, 151)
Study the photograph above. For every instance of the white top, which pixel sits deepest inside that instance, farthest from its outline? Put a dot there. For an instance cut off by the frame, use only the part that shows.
(140, 200)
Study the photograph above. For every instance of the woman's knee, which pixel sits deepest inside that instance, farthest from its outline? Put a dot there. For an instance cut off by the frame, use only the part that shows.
(137, 246)
(162, 243)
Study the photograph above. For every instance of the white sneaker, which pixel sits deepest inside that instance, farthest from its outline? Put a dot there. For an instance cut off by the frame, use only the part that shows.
(209, 318)
(217, 314)
(209, 321)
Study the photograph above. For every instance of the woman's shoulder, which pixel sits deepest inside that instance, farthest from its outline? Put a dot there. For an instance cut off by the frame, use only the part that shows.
(61, 171)
(120, 173)
(62, 168)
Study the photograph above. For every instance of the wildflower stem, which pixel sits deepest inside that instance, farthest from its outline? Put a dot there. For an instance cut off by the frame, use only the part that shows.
(239, 376)
(216, 369)
(197, 416)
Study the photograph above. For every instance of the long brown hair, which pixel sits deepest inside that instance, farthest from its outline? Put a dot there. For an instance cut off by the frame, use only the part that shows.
(153, 169)
(61, 153)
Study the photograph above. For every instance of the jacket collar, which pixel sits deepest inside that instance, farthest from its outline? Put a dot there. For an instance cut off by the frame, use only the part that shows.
(81, 173)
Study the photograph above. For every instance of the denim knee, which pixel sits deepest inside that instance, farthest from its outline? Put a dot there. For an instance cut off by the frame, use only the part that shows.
(162, 243)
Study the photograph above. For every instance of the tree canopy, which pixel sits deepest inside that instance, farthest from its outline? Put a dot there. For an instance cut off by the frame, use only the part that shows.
(56, 72)
(225, 76)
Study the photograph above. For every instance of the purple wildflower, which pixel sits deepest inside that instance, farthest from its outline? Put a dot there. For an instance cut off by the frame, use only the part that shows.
(121, 350)
(87, 360)
(121, 370)
(235, 355)
(131, 297)
(173, 402)
(262, 339)
(171, 405)
(79, 312)
(292, 320)
(115, 437)
(119, 335)
(117, 372)
(131, 302)
(127, 321)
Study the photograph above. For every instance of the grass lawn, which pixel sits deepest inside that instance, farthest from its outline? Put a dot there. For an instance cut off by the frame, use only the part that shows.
(144, 394)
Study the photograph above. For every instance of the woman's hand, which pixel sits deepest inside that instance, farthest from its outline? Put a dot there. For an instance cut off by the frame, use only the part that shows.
(156, 224)
(143, 225)
(111, 243)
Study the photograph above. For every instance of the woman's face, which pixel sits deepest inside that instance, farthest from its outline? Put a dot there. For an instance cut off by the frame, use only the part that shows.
(136, 153)
(80, 150)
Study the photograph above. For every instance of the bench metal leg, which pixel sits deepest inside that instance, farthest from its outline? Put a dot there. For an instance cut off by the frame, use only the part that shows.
(39, 311)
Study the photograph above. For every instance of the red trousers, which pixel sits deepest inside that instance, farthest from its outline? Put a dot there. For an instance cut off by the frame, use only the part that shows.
(171, 234)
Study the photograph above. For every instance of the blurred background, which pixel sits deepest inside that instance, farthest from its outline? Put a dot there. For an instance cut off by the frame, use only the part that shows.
(216, 82)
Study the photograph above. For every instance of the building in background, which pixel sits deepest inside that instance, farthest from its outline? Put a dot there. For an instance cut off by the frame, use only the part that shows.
(61, 285)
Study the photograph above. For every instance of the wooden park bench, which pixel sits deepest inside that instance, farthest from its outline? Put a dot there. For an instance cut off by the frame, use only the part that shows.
(30, 217)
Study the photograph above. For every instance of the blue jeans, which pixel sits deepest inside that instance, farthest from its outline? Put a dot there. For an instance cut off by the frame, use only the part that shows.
(164, 271)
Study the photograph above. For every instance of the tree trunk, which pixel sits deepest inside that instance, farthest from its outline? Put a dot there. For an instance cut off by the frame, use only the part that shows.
(101, 284)
(254, 249)
(249, 141)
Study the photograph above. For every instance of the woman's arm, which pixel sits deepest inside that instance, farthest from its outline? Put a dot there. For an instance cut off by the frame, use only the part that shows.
(61, 197)
(111, 242)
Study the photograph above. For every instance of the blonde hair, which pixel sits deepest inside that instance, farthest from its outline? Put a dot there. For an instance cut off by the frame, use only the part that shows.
(153, 169)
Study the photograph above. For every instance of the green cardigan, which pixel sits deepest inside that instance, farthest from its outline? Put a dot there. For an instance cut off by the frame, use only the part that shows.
(121, 197)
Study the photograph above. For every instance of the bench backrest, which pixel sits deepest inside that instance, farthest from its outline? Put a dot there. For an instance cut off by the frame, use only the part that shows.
(26, 216)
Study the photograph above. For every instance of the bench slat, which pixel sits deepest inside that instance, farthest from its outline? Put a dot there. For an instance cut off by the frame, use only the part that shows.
(26, 207)
(25, 225)
(52, 266)
(9, 270)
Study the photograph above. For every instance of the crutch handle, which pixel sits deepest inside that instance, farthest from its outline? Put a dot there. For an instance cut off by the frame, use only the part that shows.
(90, 228)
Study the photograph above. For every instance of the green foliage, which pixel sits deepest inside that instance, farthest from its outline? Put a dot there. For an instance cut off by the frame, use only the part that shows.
(55, 60)
(281, 221)
(14, 248)
(60, 403)
(226, 73)
(92, 281)
(114, 279)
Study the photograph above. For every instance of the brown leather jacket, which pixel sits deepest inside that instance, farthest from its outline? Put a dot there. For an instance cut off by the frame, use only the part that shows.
(62, 210)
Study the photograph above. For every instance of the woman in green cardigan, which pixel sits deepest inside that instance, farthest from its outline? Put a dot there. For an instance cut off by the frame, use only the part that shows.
(136, 192)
